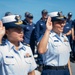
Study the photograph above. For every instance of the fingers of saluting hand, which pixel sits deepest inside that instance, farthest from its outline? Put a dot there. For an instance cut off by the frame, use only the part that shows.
(1, 25)
(49, 18)
(49, 21)
(49, 24)
(2, 28)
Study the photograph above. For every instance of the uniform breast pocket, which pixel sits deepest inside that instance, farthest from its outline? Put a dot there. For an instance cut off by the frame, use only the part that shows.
(56, 47)
(9, 61)
(56, 44)
(66, 43)
(9, 64)
(28, 60)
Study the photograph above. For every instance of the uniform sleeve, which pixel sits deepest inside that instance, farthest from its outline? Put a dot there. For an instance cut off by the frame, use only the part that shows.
(33, 63)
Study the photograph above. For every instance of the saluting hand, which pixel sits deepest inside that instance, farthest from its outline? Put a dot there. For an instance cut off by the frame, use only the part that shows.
(49, 24)
(2, 30)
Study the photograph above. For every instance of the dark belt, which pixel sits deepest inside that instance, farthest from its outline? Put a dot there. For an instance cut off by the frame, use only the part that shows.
(45, 67)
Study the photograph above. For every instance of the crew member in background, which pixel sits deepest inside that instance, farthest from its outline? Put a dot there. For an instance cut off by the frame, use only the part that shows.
(68, 31)
(68, 28)
(73, 37)
(40, 30)
(29, 30)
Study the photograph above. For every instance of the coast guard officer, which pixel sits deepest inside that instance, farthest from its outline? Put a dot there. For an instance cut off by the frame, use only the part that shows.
(41, 25)
(68, 27)
(54, 47)
(40, 28)
(29, 38)
(68, 31)
(15, 58)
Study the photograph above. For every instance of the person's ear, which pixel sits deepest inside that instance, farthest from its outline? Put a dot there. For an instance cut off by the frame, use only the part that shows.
(7, 32)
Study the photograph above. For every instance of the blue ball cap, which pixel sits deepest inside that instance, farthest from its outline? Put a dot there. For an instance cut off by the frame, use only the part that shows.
(30, 16)
(26, 14)
(44, 11)
(69, 14)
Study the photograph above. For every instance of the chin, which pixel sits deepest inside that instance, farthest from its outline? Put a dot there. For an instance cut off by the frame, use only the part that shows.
(20, 40)
(61, 31)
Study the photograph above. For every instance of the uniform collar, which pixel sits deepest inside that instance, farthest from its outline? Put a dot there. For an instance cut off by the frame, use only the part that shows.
(11, 46)
(55, 34)
(43, 20)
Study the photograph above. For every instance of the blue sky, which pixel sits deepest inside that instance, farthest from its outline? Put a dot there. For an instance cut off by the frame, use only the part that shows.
(36, 6)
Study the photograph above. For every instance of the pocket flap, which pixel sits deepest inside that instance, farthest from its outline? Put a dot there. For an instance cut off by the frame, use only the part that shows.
(9, 60)
(28, 60)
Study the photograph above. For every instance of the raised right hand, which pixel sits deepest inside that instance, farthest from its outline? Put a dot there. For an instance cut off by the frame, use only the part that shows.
(2, 30)
(49, 24)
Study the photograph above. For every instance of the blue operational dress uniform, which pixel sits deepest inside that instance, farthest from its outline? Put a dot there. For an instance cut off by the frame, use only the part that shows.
(29, 38)
(67, 28)
(41, 25)
(25, 22)
(55, 59)
(40, 28)
(14, 62)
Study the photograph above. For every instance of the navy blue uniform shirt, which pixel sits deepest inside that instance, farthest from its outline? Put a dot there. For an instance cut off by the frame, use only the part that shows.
(29, 33)
(68, 27)
(40, 29)
(25, 22)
